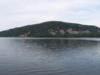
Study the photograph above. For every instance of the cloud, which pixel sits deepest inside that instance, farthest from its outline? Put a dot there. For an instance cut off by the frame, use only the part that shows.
(15, 13)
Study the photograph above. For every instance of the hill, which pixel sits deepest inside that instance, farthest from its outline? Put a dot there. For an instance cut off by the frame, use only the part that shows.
(53, 29)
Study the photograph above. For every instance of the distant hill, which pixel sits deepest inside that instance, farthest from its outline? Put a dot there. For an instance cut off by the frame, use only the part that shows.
(53, 29)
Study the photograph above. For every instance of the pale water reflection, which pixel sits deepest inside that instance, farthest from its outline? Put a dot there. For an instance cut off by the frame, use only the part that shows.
(49, 57)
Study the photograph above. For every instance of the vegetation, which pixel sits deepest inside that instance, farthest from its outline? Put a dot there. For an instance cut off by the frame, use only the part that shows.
(53, 29)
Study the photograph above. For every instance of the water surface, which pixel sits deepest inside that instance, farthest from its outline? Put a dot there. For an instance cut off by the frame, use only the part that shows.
(49, 56)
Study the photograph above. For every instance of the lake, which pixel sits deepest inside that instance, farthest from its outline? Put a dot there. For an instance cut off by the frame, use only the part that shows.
(49, 56)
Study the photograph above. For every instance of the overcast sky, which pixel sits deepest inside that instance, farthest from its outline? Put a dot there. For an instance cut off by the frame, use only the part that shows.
(15, 13)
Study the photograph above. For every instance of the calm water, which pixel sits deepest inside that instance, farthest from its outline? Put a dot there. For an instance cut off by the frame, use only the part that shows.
(49, 56)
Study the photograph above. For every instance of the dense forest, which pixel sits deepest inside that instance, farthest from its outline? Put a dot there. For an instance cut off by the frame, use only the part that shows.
(53, 29)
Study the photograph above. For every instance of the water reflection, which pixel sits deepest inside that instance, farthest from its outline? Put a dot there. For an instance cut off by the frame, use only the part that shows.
(49, 57)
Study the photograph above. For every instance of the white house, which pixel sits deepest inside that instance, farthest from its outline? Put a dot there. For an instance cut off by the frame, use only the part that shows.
(61, 31)
(71, 31)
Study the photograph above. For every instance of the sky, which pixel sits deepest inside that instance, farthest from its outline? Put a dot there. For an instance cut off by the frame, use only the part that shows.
(17, 13)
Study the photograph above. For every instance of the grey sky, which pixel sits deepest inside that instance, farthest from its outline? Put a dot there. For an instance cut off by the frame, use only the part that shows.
(15, 13)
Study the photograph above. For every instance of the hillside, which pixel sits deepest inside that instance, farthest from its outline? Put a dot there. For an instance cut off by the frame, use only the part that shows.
(53, 29)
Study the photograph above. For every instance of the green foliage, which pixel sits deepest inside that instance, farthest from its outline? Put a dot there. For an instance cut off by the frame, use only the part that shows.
(42, 30)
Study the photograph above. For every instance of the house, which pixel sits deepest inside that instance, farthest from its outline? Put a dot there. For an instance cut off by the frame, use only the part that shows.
(61, 31)
(25, 34)
(71, 31)
(52, 32)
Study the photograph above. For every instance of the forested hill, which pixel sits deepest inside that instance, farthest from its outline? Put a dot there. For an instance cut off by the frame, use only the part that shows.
(53, 29)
